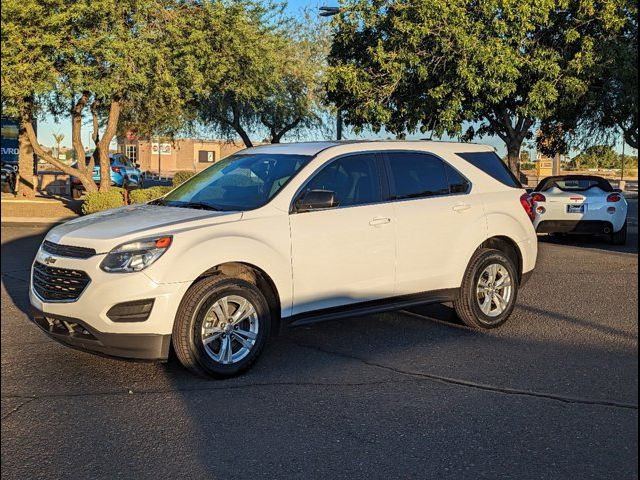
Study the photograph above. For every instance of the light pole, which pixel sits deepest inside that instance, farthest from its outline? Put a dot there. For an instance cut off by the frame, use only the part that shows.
(330, 12)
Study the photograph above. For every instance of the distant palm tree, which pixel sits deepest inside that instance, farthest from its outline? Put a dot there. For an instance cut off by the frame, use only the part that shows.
(58, 138)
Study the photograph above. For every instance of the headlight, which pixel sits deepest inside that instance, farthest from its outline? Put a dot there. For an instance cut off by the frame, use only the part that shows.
(135, 256)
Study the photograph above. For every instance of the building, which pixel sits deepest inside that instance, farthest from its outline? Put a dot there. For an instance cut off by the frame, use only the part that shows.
(167, 157)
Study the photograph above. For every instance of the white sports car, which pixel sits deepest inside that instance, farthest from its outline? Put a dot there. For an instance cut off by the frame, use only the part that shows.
(580, 204)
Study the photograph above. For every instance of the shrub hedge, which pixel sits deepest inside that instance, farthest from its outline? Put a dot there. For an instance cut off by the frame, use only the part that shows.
(182, 176)
(99, 201)
(144, 195)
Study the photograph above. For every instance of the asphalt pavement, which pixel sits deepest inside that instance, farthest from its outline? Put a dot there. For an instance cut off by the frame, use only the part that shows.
(409, 394)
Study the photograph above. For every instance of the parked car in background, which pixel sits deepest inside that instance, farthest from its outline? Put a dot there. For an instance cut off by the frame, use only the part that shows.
(124, 173)
(580, 204)
(286, 235)
(9, 176)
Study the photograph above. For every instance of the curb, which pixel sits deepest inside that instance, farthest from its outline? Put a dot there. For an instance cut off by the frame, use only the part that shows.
(34, 221)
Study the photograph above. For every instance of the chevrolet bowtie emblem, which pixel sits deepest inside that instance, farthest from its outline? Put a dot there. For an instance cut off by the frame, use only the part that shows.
(49, 260)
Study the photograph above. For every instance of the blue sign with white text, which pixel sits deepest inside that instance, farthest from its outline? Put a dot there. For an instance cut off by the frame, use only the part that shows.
(9, 144)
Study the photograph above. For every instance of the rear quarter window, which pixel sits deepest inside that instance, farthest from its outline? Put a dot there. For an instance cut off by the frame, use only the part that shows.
(493, 166)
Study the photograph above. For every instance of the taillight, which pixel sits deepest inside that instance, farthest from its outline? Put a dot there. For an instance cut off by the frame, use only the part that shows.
(525, 201)
(614, 197)
(116, 169)
(538, 197)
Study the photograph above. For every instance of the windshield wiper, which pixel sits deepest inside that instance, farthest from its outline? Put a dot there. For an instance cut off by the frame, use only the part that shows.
(198, 205)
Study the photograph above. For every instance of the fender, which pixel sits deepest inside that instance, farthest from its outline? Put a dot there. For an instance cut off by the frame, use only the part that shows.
(261, 242)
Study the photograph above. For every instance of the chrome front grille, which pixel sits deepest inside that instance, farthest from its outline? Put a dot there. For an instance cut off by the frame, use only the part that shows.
(67, 250)
(58, 284)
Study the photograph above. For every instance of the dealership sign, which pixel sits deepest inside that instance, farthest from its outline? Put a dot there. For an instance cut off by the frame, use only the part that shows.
(9, 145)
(160, 149)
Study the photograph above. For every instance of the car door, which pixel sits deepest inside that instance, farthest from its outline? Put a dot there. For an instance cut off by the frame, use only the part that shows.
(345, 254)
(433, 209)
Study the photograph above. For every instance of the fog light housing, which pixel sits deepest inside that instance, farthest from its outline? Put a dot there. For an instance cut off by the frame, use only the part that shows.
(135, 311)
(611, 210)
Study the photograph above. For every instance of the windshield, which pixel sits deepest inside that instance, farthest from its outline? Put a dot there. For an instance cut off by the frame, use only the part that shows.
(574, 184)
(238, 182)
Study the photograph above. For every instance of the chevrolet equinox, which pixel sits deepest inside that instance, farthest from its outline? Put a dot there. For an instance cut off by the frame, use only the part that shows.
(282, 235)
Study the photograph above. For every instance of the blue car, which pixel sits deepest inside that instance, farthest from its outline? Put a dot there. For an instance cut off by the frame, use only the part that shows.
(124, 173)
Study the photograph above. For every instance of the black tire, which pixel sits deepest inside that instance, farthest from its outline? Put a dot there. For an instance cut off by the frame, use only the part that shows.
(187, 339)
(620, 238)
(467, 304)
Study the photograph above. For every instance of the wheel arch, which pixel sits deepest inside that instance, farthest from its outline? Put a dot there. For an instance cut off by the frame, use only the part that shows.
(258, 277)
(509, 247)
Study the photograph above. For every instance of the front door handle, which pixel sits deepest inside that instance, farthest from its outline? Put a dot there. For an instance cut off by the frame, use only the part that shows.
(462, 207)
(379, 221)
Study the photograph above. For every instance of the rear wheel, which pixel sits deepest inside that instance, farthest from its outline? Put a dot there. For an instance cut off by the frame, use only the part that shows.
(620, 238)
(221, 326)
(489, 290)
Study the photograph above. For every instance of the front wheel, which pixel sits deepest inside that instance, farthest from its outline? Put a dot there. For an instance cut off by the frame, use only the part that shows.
(489, 290)
(221, 327)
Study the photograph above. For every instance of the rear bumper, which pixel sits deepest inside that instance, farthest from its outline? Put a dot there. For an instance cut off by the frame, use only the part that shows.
(76, 333)
(574, 226)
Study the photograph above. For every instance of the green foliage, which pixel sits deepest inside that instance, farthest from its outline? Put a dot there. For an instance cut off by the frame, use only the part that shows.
(144, 195)
(99, 201)
(437, 65)
(602, 156)
(182, 176)
(267, 75)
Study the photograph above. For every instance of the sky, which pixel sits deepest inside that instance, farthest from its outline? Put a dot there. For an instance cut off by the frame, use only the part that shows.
(47, 126)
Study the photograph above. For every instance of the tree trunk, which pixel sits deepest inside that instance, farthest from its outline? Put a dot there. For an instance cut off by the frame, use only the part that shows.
(276, 136)
(103, 144)
(86, 179)
(513, 156)
(76, 139)
(25, 178)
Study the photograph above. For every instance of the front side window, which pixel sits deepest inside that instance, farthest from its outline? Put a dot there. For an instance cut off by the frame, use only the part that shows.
(236, 183)
(353, 179)
(416, 175)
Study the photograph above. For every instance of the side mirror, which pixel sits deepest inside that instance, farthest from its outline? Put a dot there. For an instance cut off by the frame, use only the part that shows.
(315, 200)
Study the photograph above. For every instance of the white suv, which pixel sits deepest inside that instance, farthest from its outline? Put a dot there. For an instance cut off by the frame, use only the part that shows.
(285, 235)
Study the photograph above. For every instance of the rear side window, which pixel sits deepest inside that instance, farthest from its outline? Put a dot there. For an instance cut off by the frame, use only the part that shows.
(457, 183)
(491, 164)
(416, 175)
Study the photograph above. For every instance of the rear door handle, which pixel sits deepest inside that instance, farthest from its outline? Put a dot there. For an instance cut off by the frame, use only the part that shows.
(462, 207)
(379, 221)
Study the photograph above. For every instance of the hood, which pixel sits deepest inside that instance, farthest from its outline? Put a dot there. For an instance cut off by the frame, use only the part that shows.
(105, 230)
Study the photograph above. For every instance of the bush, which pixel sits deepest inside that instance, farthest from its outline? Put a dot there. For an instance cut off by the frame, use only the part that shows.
(99, 201)
(182, 176)
(144, 195)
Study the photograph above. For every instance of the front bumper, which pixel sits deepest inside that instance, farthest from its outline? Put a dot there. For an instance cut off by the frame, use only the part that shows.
(92, 323)
(78, 334)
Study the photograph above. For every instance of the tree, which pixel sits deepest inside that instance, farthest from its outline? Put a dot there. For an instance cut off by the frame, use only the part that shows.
(499, 66)
(58, 138)
(107, 56)
(602, 156)
(31, 34)
(272, 75)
